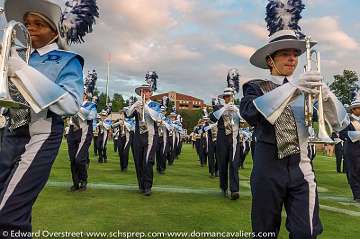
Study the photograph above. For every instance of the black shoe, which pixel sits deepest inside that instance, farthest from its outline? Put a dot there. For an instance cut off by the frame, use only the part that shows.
(235, 195)
(74, 188)
(147, 192)
(83, 186)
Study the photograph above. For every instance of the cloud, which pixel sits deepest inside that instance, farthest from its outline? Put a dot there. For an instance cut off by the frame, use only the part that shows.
(237, 49)
(326, 30)
(256, 30)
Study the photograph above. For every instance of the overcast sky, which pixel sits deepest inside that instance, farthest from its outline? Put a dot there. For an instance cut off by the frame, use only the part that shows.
(193, 43)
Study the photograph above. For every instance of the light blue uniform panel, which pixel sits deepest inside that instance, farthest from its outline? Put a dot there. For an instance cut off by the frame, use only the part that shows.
(63, 68)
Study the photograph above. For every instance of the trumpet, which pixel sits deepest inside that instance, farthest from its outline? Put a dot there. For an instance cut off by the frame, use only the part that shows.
(142, 113)
(13, 31)
(322, 136)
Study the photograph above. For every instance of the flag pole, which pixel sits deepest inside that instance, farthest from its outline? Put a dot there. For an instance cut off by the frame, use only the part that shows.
(108, 78)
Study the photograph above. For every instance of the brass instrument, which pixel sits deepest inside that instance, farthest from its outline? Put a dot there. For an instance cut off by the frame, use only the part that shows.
(12, 33)
(322, 136)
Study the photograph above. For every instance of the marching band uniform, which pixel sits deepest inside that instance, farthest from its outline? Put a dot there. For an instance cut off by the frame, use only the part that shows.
(52, 84)
(172, 139)
(145, 140)
(339, 153)
(282, 172)
(96, 134)
(79, 141)
(197, 136)
(211, 130)
(351, 136)
(115, 133)
(163, 145)
(104, 127)
(245, 138)
(124, 142)
(227, 147)
(203, 150)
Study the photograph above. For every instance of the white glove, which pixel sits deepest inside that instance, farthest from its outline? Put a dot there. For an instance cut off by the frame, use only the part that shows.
(15, 62)
(326, 92)
(230, 108)
(308, 82)
(138, 105)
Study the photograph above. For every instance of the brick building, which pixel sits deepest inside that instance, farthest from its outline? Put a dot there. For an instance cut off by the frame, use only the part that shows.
(182, 101)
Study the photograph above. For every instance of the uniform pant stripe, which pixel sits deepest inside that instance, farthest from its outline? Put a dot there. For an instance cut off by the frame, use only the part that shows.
(84, 133)
(31, 150)
(309, 177)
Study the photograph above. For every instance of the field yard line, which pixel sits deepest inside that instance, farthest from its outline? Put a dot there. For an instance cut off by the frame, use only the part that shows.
(135, 188)
(189, 190)
(340, 210)
(350, 204)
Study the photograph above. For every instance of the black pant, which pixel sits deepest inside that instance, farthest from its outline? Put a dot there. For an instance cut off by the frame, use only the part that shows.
(161, 155)
(115, 144)
(95, 145)
(78, 149)
(203, 152)
(276, 183)
(25, 164)
(123, 150)
(339, 158)
(228, 164)
(213, 167)
(144, 156)
(101, 143)
(246, 149)
(169, 153)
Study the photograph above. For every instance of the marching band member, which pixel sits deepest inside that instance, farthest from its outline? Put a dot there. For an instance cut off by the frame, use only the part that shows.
(80, 136)
(162, 146)
(351, 136)
(52, 84)
(245, 139)
(115, 135)
(104, 127)
(212, 139)
(282, 172)
(146, 113)
(96, 134)
(228, 118)
(95, 100)
(124, 140)
(79, 141)
(203, 149)
(172, 138)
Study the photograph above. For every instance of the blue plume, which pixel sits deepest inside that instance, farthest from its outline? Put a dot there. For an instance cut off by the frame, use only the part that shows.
(233, 79)
(78, 19)
(284, 15)
(151, 78)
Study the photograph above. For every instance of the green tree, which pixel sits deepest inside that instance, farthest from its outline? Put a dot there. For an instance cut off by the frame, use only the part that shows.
(344, 86)
(102, 102)
(190, 118)
(118, 102)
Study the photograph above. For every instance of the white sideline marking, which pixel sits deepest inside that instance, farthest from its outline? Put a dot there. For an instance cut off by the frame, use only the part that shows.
(340, 210)
(201, 191)
(350, 204)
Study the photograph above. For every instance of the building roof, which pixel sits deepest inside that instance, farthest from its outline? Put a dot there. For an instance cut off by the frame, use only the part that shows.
(179, 96)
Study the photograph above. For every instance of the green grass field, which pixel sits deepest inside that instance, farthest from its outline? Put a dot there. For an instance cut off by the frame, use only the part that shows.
(184, 199)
